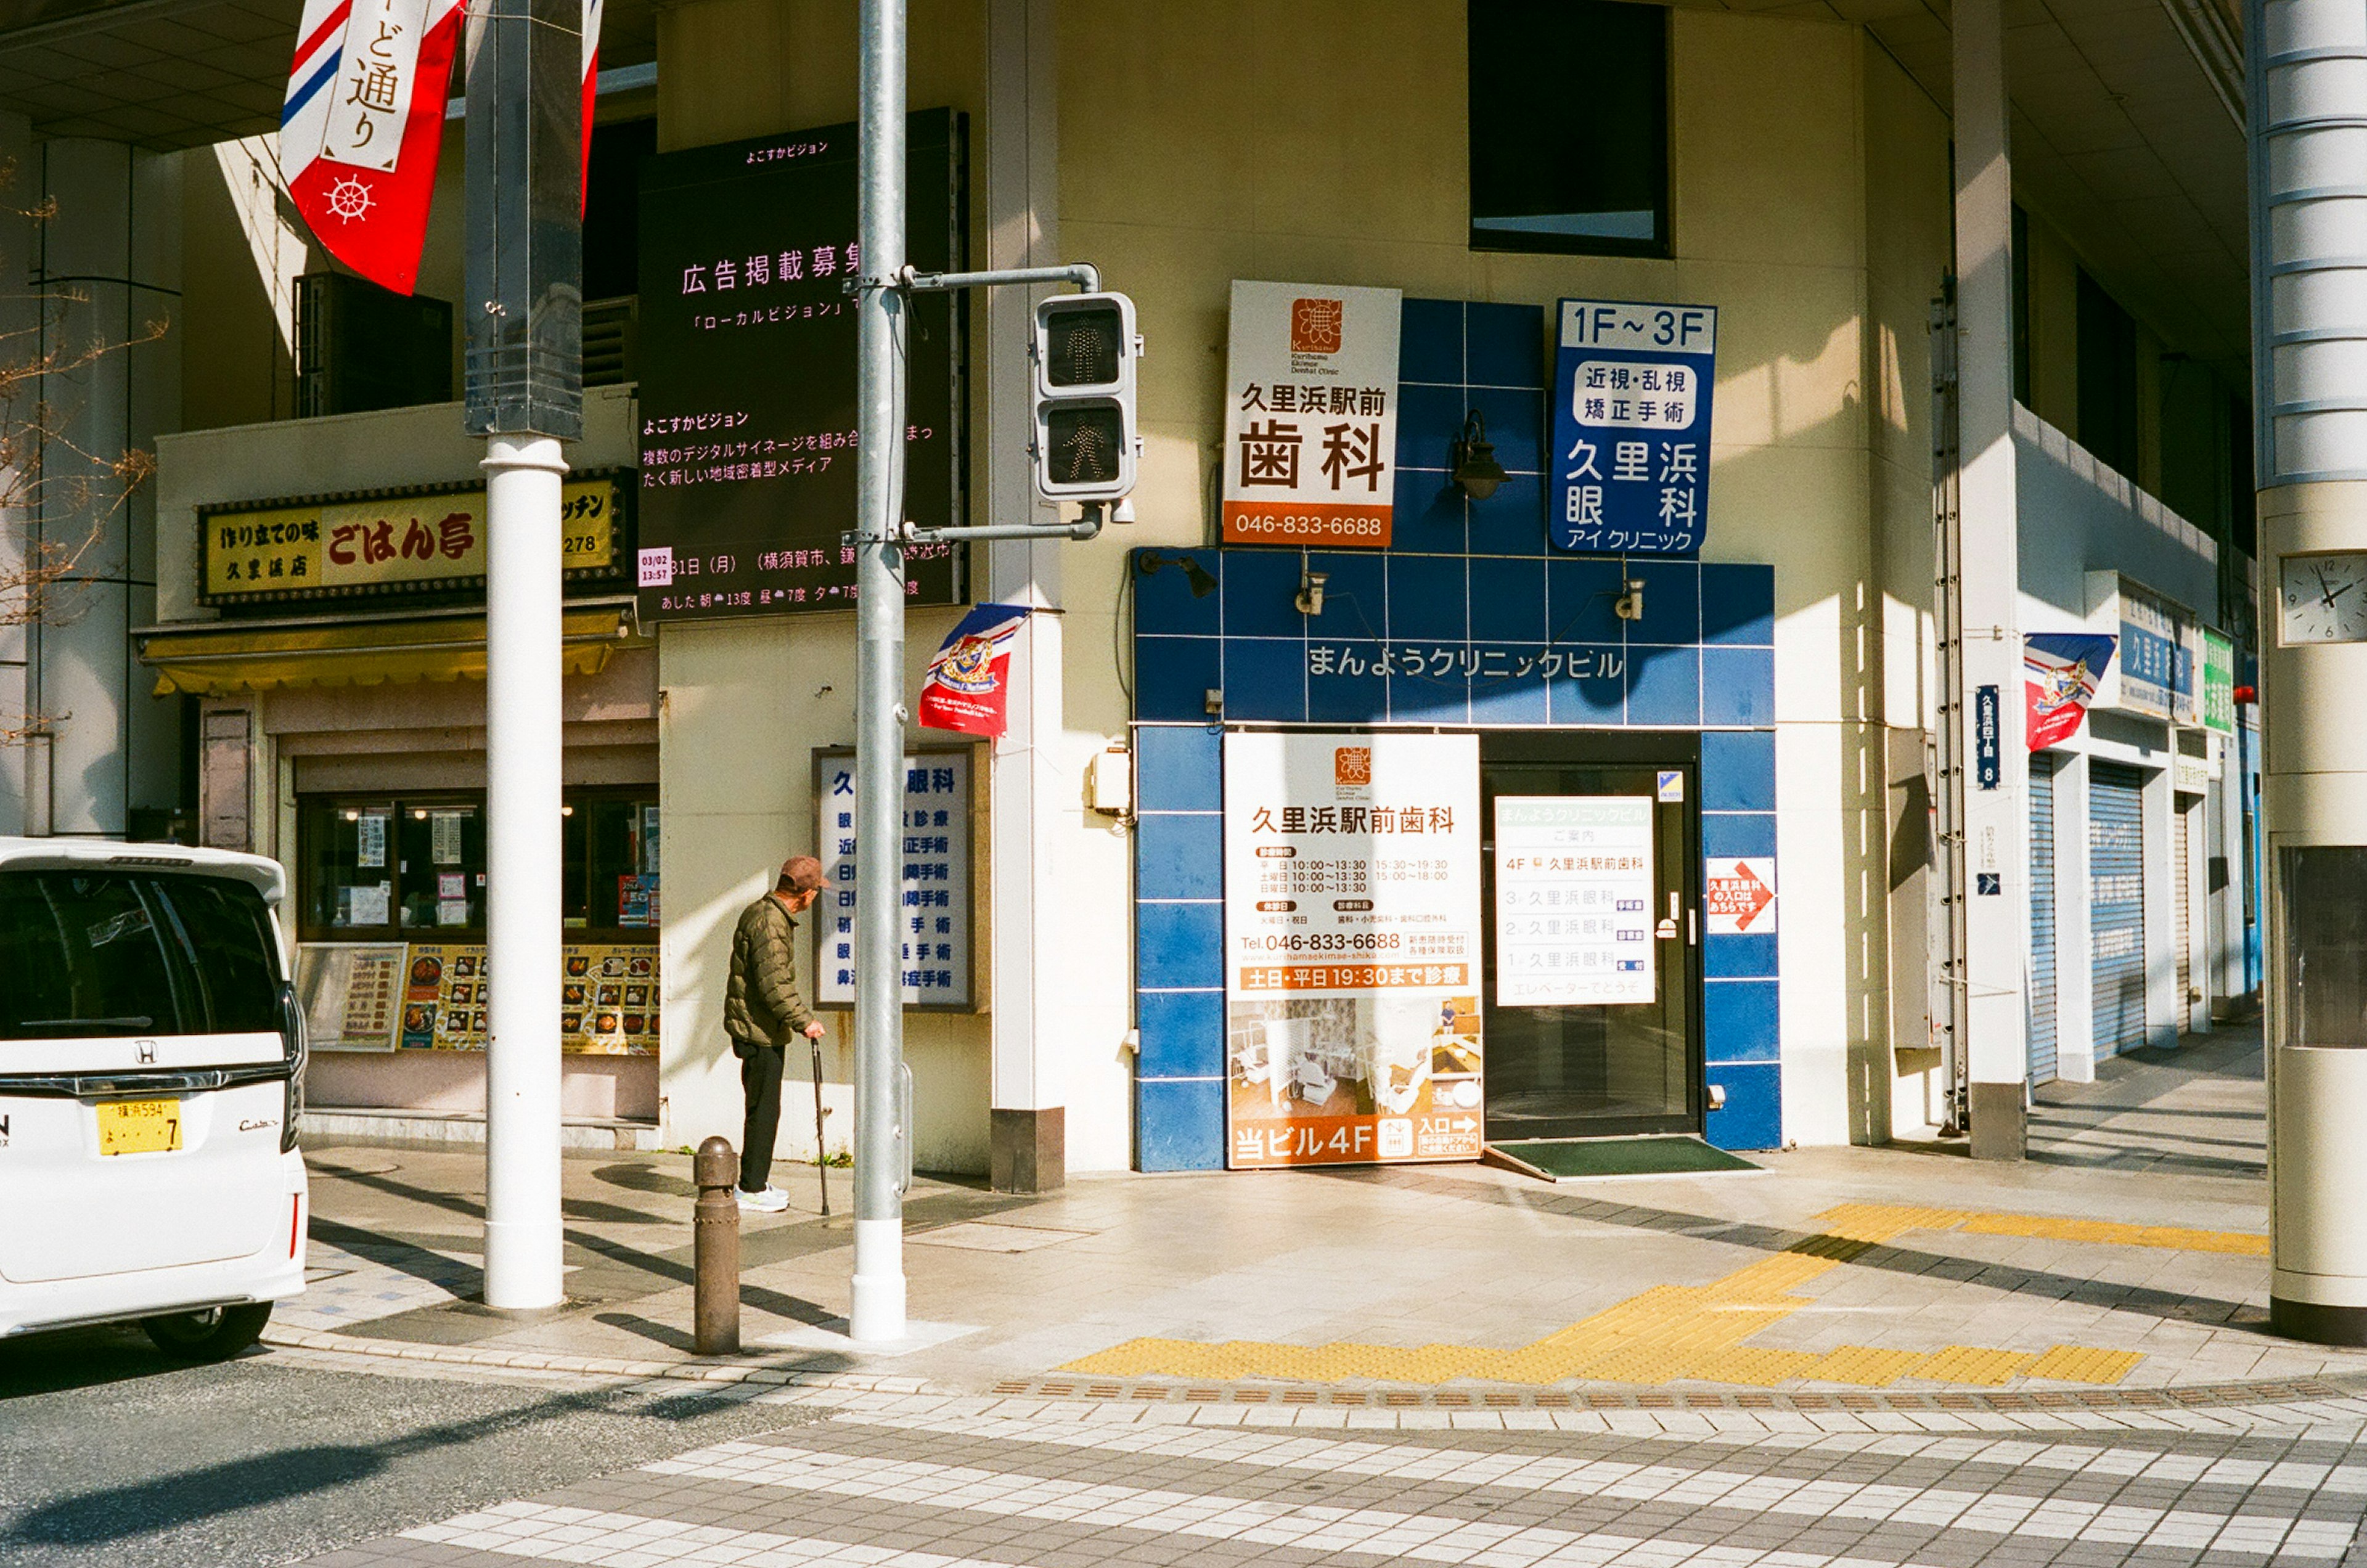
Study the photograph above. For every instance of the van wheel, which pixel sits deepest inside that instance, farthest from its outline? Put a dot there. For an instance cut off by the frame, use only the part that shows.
(215, 1335)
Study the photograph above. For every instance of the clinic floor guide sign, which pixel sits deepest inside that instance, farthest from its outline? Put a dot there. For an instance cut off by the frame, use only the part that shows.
(1352, 948)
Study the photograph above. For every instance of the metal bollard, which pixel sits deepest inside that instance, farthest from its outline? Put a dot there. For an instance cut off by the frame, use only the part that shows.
(714, 1311)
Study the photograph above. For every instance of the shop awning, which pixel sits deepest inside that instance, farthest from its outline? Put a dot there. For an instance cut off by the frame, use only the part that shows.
(250, 657)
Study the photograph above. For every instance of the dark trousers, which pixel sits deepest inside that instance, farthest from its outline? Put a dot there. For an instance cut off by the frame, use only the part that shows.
(760, 1079)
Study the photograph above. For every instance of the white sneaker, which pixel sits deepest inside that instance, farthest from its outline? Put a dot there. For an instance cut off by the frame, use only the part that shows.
(771, 1200)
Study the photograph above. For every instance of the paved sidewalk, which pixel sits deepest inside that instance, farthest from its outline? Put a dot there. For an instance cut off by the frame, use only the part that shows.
(920, 1481)
(2124, 1265)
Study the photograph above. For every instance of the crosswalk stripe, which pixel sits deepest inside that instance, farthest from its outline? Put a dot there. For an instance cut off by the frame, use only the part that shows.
(1326, 1527)
(636, 1540)
(1481, 1467)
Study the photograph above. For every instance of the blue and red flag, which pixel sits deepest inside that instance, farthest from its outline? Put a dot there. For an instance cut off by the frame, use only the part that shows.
(968, 684)
(2060, 673)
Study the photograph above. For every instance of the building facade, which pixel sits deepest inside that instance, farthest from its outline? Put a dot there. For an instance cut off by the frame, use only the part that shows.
(1767, 694)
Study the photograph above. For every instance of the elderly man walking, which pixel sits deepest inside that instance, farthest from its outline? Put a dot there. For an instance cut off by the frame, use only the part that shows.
(761, 1010)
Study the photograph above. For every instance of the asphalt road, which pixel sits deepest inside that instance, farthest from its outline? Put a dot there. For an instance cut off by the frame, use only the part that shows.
(109, 1453)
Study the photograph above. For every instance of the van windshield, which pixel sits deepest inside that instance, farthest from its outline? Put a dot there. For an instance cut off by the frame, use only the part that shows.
(104, 953)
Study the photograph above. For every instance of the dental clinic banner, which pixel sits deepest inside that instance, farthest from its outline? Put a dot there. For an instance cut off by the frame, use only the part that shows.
(1351, 948)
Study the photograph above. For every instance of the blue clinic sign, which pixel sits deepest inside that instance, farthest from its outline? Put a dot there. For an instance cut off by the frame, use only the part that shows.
(1631, 426)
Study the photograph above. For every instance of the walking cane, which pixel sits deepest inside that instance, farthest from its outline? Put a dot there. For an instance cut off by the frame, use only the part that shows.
(822, 1150)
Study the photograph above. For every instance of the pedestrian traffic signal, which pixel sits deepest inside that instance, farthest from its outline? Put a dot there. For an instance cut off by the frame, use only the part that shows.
(1085, 446)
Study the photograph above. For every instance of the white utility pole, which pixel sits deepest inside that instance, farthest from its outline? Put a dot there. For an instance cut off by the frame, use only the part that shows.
(525, 385)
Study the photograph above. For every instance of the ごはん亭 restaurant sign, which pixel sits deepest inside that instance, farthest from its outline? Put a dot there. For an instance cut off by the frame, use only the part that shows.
(421, 541)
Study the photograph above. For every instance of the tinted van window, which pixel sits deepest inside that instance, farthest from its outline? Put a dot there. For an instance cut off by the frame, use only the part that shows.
(112, 952)
(226, 931)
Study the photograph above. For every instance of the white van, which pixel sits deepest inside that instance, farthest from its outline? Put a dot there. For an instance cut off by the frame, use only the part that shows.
(152, 1061)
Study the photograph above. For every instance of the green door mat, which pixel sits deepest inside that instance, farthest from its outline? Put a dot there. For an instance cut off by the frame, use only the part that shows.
(1573, 1159)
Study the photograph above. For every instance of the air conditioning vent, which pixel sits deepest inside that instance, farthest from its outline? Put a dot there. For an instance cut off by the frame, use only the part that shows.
(611, 338)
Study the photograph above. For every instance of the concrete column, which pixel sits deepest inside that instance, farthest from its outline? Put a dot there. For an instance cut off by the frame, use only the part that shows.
(1996, 825)
(107, 269)
(1029, 1141)
(2309, 354)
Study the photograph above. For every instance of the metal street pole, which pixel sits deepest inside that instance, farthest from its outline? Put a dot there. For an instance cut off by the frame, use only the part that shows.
(525, 396)
(881, 1097)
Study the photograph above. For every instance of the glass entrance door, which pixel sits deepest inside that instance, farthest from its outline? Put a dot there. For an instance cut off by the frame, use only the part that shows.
(1563, 835)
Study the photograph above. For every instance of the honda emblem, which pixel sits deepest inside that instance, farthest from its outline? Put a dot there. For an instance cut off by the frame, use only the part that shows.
(147, 1053)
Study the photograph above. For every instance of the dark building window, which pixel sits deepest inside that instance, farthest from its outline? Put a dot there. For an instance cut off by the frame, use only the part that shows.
(2107, 378)
(1569, 126)
(612, 201)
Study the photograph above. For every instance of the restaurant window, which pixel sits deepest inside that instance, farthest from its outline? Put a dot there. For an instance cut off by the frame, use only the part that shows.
(413, 867)
(1569, 126)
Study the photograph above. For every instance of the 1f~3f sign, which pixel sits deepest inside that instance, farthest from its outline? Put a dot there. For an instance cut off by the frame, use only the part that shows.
(1631, 391)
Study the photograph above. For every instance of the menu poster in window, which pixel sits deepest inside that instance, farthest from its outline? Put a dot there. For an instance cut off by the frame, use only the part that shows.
(1351, 948)
(351, 993)
(1574, 900)
(608, 999)
(746, 354)
(370, 838)
(934, 916)
(637, 901)
(369, 903)
(444, 837)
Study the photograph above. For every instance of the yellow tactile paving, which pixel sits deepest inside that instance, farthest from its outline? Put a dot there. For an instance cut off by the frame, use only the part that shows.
(1971, 1364)
(1879, 1223)
(2081, 1364)
(1697, 1332)
(1868, 1366)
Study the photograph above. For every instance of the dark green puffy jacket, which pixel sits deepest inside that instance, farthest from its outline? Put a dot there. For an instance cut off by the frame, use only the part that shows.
(763, 1006)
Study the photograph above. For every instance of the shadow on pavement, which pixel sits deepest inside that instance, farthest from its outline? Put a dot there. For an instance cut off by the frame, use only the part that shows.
(168, 1502)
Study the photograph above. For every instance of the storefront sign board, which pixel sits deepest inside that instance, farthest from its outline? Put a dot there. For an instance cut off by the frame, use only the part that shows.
(2157, 657)
(747, 372)
(351, 993)
(1352, 948)
(935, 917)
(1574, 900)
(1312, 415)
(1631, 426)
(431, 540)
(2218, 682)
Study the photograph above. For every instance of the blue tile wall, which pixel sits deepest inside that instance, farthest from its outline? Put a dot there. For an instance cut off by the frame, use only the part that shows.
(1468, 619)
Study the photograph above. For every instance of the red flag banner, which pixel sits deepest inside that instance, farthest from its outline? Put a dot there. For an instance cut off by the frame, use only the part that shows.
(362, 127)
(968, 685)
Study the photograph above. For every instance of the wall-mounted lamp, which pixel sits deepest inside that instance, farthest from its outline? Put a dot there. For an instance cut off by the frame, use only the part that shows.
(1472, 460)
(1310, 592)
(1203, 583)
(1629, 606)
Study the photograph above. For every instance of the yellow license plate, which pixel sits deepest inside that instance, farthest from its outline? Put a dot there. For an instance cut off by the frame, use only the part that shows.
(138, 1126)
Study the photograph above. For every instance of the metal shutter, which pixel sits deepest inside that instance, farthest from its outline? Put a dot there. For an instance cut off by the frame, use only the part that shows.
(2042, 916)
(2116, 905)
(2179, 865)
